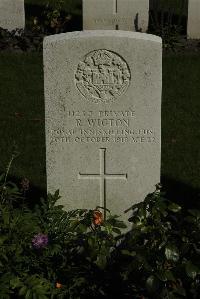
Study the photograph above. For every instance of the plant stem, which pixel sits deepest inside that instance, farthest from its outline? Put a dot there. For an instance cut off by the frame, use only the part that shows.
(6, 176)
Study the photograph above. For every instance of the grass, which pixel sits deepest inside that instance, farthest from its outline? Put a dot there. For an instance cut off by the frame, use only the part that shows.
(180, 119)
(22, 117)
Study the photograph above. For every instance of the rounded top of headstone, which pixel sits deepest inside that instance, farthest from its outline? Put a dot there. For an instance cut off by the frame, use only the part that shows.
(102, 33)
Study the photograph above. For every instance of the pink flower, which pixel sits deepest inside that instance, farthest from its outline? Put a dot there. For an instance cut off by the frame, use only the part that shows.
(25, 184)
(40, 241)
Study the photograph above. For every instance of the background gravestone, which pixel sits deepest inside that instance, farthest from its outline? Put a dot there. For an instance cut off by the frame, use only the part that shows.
(103, 117)
(130, 15)
(12, 15)
(194, 19)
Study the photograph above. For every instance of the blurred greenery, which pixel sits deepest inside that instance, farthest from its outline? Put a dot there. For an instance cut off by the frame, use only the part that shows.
(71, 6)
(75, 6)
(176, 6)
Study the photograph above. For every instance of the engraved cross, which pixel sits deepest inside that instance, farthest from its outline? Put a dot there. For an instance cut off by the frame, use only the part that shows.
(102, 177)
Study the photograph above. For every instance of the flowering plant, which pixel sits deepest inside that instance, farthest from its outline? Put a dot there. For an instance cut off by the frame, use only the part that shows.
(47, 252)
(40, 241)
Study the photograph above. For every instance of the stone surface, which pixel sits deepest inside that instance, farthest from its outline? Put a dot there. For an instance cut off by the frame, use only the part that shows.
(193, 19)
(12, 15)
(103, 117)
(130, 15)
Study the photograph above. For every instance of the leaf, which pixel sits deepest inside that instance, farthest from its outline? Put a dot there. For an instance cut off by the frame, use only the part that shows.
(23, 291)
(162, 244)
(127, 252)
(28, 294)
(196, 249)
(57, 195)
(6, 218)
(4, 256)
(152, 284)
(190, 219)
(191, 270)
(82, 228)
(16, 283)
(172, 296)
(116, 230)
(195, 213)
(172, 253)
(161, 206)
(174, 207)
(165, 275)
(119, 224)
(3, 239)
(101, 261)
(180, 291)
(2, 176)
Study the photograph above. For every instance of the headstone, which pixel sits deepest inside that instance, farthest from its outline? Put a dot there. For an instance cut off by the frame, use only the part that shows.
(194, 19)
(103, 117)
(12, 15)
(130, 15)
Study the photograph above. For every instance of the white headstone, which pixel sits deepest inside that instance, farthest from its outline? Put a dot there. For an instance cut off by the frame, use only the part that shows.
(12, 15)
(130, 15)
(193, 19)
(103, 117)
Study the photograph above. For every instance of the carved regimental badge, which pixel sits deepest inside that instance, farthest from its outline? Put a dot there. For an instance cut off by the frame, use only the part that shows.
(102, 76)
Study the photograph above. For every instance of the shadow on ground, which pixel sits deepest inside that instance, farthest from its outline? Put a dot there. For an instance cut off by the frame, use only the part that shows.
(174, 190)
(181, 193)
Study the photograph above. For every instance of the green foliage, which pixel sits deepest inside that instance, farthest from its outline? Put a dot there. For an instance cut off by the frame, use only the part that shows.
(73, 6)
(165, 241)
(168, 20)
(21, 40)
(54, 19)
(47, 252)
(171, 36)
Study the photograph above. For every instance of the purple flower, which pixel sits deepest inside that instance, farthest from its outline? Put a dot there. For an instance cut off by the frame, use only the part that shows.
(25, 184)
(40, 241)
